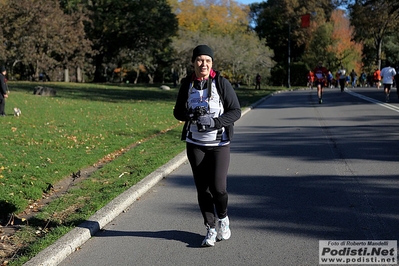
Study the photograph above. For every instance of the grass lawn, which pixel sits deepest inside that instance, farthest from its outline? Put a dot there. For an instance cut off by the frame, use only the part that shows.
(126, 128)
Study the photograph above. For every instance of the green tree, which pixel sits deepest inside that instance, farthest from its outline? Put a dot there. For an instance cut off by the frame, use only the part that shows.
(125, 24)
(278, 21)
(390, 48)
(317, 48)
(373, 21)
(334, 46)
(40, 37)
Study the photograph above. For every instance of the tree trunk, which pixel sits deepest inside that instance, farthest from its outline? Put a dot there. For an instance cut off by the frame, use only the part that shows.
(181, 74)
(79, 75)
(66, 74)
(36, 75)
(98, 74)
(379, 47)
(151, 79)
(137, 76)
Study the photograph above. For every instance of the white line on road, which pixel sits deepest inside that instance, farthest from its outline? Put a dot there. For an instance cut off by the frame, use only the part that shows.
(386, 105)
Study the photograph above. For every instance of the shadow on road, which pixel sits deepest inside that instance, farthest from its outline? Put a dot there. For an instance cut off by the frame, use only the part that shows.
(191, 239)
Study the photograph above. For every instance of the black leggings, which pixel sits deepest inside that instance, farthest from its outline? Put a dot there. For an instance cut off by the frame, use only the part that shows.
(210, 166)
(342, 84)
(2, 106)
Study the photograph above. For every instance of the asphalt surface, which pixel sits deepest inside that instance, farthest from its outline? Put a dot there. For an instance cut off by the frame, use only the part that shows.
(300, 172)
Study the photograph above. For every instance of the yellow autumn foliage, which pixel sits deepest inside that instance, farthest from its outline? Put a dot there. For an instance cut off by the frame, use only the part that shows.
(211, 16)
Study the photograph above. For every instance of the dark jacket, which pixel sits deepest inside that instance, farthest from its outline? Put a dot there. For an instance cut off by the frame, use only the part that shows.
(231, 105)
(3, 86)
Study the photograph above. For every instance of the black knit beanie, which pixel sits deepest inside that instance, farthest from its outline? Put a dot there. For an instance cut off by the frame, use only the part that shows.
(2, 69)
(202, 50)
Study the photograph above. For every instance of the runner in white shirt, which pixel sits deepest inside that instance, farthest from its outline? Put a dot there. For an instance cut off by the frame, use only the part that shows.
(387, 74)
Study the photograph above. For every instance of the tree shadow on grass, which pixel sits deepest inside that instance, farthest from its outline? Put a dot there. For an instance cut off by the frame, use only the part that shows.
(6, 209)
(106, 92)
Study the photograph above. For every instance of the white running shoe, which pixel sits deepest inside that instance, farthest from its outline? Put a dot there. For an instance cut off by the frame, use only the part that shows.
(210, 238)
(224, 229)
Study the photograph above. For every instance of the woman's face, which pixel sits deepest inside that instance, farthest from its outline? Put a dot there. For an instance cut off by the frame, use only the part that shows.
(202, 66)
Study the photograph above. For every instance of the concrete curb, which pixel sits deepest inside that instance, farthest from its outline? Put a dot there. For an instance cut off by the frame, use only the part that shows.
(66, 245)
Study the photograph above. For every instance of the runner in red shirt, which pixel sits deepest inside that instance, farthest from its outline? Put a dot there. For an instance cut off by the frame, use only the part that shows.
(320, 75)
(377, 78)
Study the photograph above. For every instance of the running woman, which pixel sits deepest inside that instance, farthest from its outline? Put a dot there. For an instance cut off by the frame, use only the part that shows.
(209, 106)
(320, 74)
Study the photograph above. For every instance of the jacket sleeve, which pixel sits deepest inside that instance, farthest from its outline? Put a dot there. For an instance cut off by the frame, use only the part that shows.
(232, 109)
(180, 108)
(3, 85)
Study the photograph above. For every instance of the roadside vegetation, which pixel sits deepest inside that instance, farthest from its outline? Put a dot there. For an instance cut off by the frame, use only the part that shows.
(121, 133)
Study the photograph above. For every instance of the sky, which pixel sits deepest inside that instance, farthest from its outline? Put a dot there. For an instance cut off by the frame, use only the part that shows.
(247, 2)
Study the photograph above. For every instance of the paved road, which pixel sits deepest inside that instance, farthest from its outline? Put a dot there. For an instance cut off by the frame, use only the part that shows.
(300, 172)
